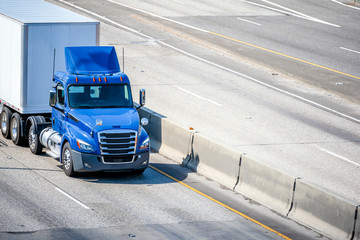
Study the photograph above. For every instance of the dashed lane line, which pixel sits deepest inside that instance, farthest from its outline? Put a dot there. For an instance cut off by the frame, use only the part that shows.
(248, 21)
(72, 198)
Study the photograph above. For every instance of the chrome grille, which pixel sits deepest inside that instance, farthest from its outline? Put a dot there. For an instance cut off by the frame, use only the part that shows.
(117, 144)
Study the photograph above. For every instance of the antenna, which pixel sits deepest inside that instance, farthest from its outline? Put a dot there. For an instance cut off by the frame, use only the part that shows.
(123, 55)
(53, 73)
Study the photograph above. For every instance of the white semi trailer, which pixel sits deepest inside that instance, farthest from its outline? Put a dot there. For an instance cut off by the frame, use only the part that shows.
(34, 34)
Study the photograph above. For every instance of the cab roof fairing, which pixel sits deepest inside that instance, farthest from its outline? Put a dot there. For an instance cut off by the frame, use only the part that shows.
(91, 60)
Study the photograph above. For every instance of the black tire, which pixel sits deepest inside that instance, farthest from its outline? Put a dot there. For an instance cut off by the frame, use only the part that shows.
(67, 160)
(5, 122)
(34, 142)
(15, 130)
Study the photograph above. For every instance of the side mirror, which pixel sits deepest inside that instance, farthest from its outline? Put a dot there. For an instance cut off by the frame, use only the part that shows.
(98, 123)
(142, 97)
(52, 99)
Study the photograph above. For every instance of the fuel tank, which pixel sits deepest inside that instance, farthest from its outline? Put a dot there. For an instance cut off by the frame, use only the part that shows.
(51, 139)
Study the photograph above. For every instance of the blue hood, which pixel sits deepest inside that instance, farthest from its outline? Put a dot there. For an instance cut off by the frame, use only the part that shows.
(112, 118)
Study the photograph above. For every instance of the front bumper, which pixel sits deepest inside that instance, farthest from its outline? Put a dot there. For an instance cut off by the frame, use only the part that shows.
(84, 162)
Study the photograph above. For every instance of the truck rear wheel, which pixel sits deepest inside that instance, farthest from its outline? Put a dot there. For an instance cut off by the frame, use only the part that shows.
(15, 130)
(34, 142)
(67, 160)
(5, 122)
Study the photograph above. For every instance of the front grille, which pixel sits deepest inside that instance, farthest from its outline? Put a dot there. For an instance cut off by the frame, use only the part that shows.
(117, 145)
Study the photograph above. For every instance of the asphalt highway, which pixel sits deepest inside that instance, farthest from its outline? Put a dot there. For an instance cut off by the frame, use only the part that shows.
(38, 201)
(198, 80)
(277, 84)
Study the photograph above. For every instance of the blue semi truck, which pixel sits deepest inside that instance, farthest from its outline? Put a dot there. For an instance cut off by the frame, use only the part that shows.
(94, 124)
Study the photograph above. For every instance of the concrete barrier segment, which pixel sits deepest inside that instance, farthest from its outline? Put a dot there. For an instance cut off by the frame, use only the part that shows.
(166, 137)
(357, 225)
(175, 141)
(214, 161)
(153, 128)
(324, 211)
(265, 185)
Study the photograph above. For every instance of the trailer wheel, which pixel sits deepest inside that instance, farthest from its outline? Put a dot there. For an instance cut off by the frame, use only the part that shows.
(5, 122)
(15, 130)
(67, 160)
(34, 142)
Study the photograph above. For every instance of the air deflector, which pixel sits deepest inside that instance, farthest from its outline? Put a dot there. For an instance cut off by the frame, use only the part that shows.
(91, 60)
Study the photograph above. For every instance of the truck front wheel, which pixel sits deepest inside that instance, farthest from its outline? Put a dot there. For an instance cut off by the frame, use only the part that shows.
(15, 130)
(5, 122)
(67, 160)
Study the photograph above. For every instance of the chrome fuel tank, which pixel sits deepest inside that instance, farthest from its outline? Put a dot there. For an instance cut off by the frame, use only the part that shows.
(51, 139)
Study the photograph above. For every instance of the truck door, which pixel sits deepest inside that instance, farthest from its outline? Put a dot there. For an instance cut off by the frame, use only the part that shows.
(58, 112)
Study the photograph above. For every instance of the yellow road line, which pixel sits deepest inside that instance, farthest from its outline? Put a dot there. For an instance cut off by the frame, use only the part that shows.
(220, 203)
(284, 55)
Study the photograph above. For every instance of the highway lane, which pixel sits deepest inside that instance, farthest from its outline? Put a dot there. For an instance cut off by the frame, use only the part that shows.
(306, 40)
(289, 134)
(198, 86)
(38, 201)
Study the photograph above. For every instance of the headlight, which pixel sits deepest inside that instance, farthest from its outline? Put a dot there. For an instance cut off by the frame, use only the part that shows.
(145, 144)
(84, 146)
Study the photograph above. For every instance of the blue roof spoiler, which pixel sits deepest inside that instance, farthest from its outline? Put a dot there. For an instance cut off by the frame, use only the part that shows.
(91, 60)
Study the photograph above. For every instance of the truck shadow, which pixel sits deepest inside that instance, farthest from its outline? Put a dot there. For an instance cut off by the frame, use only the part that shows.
(153, 175)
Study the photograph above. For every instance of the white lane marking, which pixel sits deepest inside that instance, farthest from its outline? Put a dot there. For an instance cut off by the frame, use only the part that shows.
(218, 66)
(181, 2)
(290, 12)
(350, 50)
(106, 19)
(158, 16)
(245, 20)
(336, 155)
(353, 7)
(75, 200)
(301, 14)
(200, 97)
(265, 84)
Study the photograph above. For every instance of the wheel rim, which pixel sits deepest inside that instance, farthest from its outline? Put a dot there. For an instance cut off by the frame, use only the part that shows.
(4, 123)
(14, 129)
(67, 159)
(31, 138)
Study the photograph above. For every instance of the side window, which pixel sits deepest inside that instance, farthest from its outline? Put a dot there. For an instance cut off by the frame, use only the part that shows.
(60, 95)
(126, 93)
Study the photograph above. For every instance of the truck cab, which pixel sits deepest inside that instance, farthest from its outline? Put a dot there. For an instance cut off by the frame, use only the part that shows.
(95, 125)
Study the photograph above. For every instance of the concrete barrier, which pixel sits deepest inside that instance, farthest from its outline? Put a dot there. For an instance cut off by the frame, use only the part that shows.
(309, 205)
(265, 185)
(176, 141)
(357, 225)
(323, 211)
(167, 137)
(214, 160)
(153, 128)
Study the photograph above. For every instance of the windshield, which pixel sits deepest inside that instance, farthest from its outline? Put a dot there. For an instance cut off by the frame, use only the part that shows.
(100, 96)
